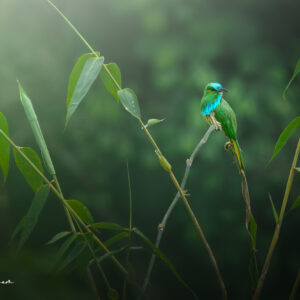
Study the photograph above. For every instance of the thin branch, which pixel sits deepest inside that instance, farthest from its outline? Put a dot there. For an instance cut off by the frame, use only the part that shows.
(295, 286)
(162, 225)
(67, 212)
(64, 202)
(92, 282)
(278, 226)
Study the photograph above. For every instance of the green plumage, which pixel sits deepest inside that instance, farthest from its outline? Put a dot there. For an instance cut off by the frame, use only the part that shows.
(217, 110)
(226, 116)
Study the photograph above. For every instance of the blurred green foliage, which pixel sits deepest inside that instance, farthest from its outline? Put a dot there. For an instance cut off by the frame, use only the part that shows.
(167, 51)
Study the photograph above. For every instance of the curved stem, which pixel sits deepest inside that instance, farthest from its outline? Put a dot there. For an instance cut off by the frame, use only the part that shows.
(202, 236)
(162, 225)
(278, 226)
(192, 215)
(64, 202)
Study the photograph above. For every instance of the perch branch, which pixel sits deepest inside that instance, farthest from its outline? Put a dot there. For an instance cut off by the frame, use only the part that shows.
(162, 225)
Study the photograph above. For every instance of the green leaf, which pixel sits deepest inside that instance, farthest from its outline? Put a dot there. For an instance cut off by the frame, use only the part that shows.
(253, 230)
(130, 102)
(18, 227)
(296, 203)
(108, 225)
(110, 84)
(34, 211)
(296, 72)
(83, 75)
(81, 210)
(297, 169)
(65, 246)
(109, 254)
(285, 135)
(163, 257)
(58, 236)
(274, 209)
(30, 175)
(114, 239)
(4, 147)
(75, 252)
(152, 122)
(35, 126)
(113, 252)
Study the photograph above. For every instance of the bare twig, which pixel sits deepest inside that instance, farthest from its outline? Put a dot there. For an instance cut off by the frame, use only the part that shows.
(163, 223)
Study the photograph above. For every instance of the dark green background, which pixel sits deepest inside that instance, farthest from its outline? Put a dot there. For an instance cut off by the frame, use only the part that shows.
(167, 51)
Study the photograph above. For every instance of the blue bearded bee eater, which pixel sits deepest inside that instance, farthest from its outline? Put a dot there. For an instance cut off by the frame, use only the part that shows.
(217, 111)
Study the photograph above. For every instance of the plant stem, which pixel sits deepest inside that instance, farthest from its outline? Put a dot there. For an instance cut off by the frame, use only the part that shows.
(129, 234)
(67, 212)
(278, 226)
(295, 286)
(158, 152)
(92, 282)
(73, 27)
(192, 215)
(64, 202)
(94, 257)
(162, 225)
(202, 236)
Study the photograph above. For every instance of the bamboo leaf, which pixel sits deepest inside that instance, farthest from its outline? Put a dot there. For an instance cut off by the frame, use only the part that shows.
(34, 211)
(30, 175)
(296, 72)
(65, 246)
(296, 203)
(110, 84)
(297, 169)
(152, 122)
(4, 147)
(274, 209)
(113, 252)
(108, 225)
(75, 252)
(253, 230)
(130, 102)
(35, 126)
(18, 227)
(81, 210)
(83, 75)
(114, 239)
(110, 254)
(163, 257)
(285, 135)
(58, 236)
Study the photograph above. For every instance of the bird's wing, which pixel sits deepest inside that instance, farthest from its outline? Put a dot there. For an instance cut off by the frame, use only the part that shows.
(226, 116)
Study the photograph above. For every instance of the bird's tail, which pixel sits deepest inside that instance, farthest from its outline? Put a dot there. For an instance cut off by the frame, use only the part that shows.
(238, 153)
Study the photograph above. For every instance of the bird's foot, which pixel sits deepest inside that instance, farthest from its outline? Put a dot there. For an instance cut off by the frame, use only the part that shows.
(228, 146)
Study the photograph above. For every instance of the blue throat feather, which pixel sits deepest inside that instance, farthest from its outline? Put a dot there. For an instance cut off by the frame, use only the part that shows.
(210, 107)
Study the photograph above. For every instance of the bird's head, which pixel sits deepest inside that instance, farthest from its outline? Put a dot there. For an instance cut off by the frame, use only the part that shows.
(214, 88)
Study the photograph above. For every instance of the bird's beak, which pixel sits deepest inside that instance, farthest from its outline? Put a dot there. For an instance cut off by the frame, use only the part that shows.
(223, 90)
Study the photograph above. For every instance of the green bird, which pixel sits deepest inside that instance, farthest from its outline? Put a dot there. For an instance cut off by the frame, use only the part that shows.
(216, 110)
